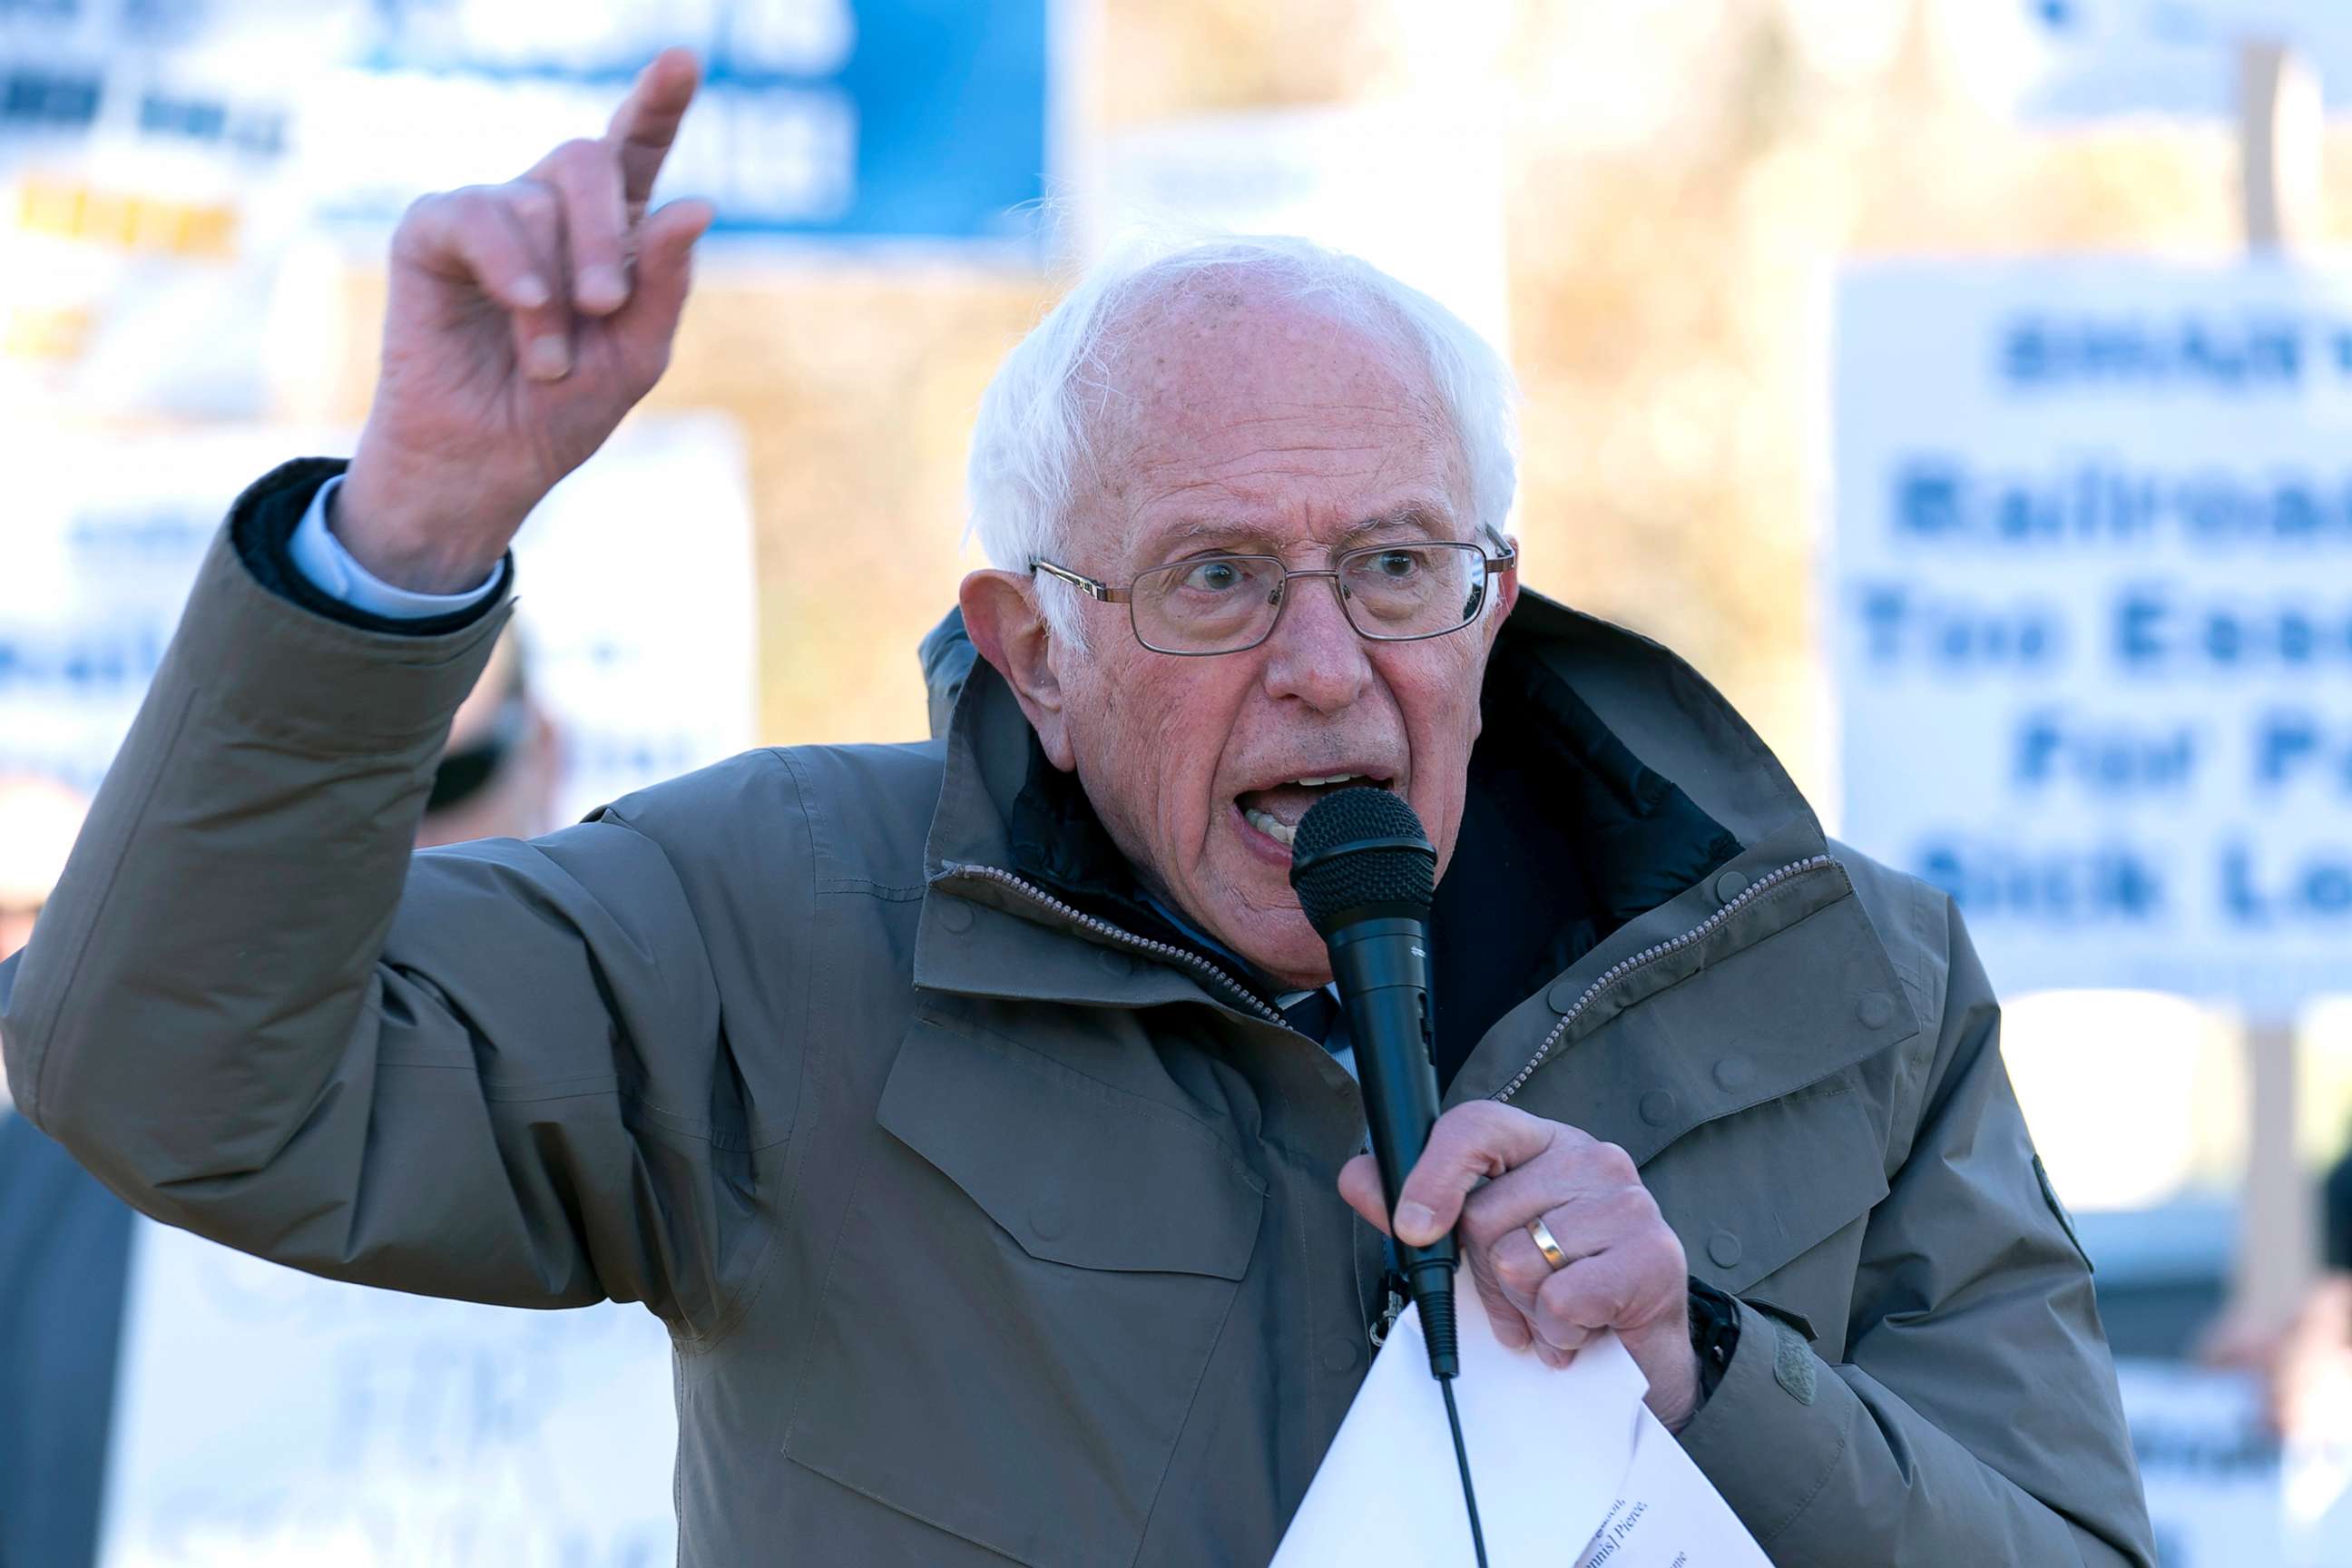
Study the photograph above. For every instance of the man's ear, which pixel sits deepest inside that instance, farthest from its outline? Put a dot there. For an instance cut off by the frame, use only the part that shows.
(1507, 592)
(999, 612)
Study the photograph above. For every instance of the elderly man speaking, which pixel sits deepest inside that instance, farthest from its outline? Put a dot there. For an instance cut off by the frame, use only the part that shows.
(966, 1110)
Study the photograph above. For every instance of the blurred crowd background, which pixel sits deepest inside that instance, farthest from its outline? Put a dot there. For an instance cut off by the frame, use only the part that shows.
(1704, 231)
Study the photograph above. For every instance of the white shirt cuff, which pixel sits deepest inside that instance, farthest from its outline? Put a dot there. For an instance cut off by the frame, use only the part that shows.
(318, 555)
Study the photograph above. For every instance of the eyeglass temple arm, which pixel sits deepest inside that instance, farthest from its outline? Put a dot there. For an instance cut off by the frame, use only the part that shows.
(1091, 587)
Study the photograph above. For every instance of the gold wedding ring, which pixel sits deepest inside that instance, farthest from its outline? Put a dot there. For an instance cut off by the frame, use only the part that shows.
(1546, 1244)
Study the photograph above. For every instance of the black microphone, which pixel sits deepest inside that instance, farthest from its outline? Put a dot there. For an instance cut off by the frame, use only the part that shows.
(1365, 875)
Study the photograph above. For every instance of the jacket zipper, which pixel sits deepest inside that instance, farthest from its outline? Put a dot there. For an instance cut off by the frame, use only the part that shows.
(1627, 965)
(1769, 882)
(1122, 936)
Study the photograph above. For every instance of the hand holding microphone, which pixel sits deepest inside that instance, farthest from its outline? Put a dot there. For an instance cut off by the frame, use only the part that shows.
(1480, 1176)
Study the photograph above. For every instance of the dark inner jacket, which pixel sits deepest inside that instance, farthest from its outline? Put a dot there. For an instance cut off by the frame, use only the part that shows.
(1565, 837)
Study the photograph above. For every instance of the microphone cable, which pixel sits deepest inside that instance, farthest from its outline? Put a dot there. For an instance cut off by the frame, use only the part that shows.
(1462, 1462)
(1432, 1289)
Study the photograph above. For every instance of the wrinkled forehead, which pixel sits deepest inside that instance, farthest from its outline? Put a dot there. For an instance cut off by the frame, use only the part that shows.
(1235, 409)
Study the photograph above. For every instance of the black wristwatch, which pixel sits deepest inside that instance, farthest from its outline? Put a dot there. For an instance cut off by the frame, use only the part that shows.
(1715, 1334)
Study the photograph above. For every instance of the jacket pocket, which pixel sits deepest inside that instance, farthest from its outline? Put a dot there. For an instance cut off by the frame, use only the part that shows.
(1771, 1203)
(1030, 1280)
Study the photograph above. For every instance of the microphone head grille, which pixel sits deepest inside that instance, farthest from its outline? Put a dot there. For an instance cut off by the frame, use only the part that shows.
(1361, 850)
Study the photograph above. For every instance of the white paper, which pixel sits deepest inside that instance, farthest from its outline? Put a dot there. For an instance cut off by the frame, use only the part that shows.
(1553, 1453)
(1667, 1516)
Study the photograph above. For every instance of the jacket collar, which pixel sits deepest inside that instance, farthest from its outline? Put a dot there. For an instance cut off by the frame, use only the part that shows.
(1666, 806)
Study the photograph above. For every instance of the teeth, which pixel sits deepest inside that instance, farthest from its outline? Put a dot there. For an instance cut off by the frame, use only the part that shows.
(1281, 833)
(1335, 778)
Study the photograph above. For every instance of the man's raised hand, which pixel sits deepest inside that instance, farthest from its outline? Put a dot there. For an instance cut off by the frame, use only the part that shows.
(523, 321)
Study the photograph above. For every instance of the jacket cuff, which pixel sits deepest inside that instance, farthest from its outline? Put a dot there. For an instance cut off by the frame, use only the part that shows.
(1775, 1426)
(262, 526)
(292, 665)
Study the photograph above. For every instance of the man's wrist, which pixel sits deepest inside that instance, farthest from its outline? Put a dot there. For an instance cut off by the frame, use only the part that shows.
(321, 559)
(1714, 1340)
(405, 550)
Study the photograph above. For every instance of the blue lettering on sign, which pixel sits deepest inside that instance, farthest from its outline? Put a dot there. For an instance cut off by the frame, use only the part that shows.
(1940, 499)
(2152, 632)
(87, 659)
(1927, 497)
(1955, 635)
(2106, 758)
(2105, 884)
(934, 112)
(2058, 15)
(2317, 887)
(2295, 746)
(49, 99)
(2038, 352)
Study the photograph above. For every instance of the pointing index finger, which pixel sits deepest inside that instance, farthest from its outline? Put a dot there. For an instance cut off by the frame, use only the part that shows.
(645, 125)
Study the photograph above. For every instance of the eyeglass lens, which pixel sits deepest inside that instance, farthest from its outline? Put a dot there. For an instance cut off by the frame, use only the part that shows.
(1218, 604)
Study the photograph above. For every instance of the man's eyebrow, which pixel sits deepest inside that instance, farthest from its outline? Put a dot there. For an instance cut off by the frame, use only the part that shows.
(1204, 530)
(1427, 521)
(1227, 534)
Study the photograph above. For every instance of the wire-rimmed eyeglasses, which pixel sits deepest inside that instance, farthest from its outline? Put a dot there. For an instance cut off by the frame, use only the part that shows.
(1207, 604)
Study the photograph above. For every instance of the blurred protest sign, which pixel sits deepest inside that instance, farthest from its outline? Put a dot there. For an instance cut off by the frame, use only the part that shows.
(264, 1418)
(168, 171)
(2222, 1490)
(904, 120)
(2092, 57)
(2091, 609)
(635, 577)
(144, 212)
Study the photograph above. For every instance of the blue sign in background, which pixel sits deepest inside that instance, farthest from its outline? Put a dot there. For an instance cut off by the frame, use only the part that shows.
(939, 111)
(952, 108)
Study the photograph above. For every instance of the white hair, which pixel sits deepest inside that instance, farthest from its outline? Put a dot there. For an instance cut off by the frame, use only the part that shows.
(1032, 443)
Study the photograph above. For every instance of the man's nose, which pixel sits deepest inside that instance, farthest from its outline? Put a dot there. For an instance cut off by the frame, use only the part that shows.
(1314, 654)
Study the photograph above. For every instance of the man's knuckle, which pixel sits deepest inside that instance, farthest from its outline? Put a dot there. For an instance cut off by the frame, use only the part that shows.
(581, 155)
(1481, 1224)
(1450, 1133)
(427, 211)
(530, 200)
(1612, 1162)
(1558, 1313)
(1515, 1272)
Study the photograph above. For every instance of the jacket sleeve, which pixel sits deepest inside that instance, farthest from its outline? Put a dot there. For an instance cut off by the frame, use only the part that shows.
(1975, 1418)
(483, 1072)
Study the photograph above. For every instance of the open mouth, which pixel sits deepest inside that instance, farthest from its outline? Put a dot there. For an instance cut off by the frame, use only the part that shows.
(1275, 810)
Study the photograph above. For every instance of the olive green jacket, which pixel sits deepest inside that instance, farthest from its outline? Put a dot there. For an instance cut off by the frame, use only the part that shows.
(986, 1228)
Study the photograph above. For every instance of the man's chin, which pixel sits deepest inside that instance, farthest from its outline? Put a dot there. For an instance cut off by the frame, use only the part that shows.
(1285, 947)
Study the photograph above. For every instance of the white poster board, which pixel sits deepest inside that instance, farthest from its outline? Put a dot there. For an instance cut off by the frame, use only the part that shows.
(268, 1419)
(2089, 604)
(263, 1417)
(2222, 1491)
(634, 581)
